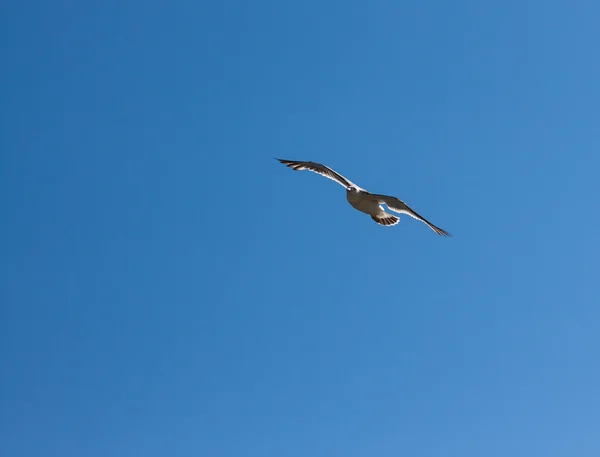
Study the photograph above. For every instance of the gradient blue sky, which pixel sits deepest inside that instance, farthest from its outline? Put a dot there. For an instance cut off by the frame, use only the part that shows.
(167, 288)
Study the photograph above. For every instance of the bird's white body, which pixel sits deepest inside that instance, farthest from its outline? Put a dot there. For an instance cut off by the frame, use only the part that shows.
(357, 198)
(369, 204)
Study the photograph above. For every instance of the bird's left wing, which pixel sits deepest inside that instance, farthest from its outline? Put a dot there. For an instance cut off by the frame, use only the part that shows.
(320, 169)
(399, 206)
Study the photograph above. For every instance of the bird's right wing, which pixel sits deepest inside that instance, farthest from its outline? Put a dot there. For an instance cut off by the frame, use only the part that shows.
(320, 169)
(397, 205)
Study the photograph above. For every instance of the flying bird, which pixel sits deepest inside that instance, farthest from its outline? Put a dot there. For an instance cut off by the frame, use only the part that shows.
(364, 201)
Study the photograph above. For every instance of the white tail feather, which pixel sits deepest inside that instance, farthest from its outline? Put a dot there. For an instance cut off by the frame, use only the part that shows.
(385, 219)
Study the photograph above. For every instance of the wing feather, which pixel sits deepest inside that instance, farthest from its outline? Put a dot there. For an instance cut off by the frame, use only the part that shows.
(399, 206)
(318, 168)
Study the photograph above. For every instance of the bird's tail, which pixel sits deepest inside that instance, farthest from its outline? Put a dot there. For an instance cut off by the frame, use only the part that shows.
(385, 219)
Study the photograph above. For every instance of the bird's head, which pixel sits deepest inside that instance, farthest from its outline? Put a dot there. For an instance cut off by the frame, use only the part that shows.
(351, 189)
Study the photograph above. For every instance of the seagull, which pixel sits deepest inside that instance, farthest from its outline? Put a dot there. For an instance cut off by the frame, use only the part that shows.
(364, 201)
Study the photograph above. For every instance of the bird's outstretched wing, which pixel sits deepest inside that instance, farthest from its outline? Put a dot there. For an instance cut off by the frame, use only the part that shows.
(318, 168)
(399, 206)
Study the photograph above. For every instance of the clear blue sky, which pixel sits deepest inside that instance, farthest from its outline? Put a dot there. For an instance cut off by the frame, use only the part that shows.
(168, 289)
